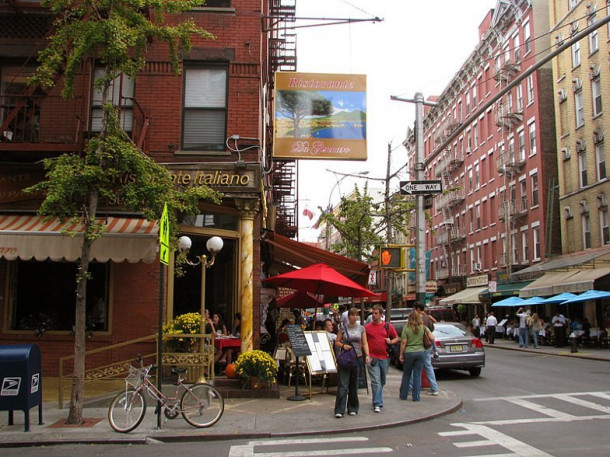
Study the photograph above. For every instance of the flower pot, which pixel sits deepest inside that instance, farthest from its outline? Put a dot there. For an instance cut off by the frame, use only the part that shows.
(254, 384)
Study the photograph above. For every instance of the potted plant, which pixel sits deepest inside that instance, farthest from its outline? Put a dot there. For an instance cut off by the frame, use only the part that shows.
(256, 368)
(189, 324)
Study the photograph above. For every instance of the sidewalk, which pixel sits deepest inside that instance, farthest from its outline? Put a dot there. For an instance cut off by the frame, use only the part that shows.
(599, 354)
(243, 418)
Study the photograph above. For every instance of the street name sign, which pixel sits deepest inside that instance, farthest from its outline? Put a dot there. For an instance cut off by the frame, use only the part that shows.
(421, 187)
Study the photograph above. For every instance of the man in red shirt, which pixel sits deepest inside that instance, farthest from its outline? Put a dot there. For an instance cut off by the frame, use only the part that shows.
(379, 335)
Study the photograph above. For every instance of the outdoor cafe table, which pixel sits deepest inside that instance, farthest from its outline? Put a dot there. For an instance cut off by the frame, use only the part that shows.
(227, 342)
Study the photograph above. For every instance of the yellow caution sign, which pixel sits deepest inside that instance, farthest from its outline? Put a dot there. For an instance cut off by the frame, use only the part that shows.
(164, 237)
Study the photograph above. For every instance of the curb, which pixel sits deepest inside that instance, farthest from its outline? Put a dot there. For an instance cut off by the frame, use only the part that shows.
(534, 351)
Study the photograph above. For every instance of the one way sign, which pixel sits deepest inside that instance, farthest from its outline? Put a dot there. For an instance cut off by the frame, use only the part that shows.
(421, 187)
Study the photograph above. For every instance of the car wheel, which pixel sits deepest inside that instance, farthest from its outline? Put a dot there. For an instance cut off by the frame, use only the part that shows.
(474, 372)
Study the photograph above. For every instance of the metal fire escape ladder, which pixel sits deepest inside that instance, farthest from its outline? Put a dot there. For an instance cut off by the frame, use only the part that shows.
(284, 196)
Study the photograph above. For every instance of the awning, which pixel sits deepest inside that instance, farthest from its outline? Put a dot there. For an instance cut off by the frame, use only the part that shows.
(468, 296)
(564, 262)
(31, 237)
(291, 254)
(504, 290)
(557, 282)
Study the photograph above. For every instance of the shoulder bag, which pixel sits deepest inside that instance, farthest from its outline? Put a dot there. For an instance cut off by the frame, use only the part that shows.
(427, 340)
(347, 358)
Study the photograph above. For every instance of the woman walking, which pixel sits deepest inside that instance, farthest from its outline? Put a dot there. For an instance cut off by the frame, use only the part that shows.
(536, 325)
(350, 336)
(413, 354)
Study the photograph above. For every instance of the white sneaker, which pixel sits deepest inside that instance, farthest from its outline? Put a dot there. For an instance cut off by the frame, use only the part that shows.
(377, 409)
(352, 413)
(338, 415)
(433, 393)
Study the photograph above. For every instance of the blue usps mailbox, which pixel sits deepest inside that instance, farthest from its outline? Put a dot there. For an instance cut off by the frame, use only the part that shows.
(21, 379)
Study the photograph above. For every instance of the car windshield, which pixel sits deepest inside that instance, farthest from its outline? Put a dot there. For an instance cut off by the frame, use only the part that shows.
(448, 331)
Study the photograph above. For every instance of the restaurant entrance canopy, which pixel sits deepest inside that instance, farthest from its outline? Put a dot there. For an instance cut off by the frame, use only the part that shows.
(289, 254)
(468, 296)
(29, 237)
(557, 282)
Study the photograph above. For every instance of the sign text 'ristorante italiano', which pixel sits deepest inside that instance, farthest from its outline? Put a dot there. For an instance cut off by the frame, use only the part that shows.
(320, 116)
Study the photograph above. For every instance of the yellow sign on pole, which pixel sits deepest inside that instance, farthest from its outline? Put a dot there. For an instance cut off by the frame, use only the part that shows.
(164, 237)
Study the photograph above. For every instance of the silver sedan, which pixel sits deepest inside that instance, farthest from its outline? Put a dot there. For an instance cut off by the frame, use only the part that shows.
(457, 348)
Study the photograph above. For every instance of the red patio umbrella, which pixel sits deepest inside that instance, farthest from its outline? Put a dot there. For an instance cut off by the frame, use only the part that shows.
(320, 279)
(299, 299)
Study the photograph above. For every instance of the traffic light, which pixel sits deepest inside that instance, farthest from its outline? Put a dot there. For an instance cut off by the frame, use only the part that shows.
(391, 257)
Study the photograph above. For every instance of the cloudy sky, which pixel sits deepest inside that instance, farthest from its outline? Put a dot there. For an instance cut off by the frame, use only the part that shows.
(418, 47)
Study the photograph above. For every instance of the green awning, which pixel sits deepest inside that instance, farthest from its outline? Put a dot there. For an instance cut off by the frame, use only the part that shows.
(504, 290)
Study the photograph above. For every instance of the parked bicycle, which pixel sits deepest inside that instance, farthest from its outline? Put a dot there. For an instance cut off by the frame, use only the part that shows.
(201, 404)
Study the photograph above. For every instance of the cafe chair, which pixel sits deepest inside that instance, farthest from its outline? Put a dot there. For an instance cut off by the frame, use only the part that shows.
(291, 367)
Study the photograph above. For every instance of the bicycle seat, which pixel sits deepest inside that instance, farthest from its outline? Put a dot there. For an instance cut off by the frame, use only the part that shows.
(176, 370)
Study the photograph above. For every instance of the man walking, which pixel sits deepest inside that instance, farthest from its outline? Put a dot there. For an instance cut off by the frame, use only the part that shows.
(559, 327)
(524, 334)
(490, 330)
(379, 335)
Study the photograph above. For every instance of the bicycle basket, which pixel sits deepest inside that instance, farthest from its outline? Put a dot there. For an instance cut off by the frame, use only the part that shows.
(135, 376)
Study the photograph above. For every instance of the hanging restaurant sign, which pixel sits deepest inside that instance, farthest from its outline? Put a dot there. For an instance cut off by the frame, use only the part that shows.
(320, 116)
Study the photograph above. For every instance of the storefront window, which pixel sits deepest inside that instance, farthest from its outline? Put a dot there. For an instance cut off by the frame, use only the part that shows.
(42, 296)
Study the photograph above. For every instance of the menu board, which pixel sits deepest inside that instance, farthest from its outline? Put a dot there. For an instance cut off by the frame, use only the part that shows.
(322, 358)
(299, 344)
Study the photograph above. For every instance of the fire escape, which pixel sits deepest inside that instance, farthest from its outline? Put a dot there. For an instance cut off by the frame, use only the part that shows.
(283, 57)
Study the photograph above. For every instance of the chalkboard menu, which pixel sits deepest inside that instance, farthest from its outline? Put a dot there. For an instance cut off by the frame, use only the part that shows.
(297, 340)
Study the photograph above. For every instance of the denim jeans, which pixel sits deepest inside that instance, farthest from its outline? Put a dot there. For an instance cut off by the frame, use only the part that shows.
(429, 372)
(535, 334)
(524, 336)
(377, 373)
(347, 390)
(414, 362)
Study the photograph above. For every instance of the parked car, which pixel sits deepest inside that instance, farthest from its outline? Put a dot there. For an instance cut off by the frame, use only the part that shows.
(443, 313)
(457, 348)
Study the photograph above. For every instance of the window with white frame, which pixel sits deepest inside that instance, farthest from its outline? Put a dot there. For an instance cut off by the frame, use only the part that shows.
(535, 190)
(477, 176)
(471, 224)
(470, 181)
(537, 245)
(474, 96)
(525, 249)
(572, 3)
(593, 37)
(204, 108)
(121, 92)
(582, 168)
(586, 230)
(511, 148)
(579, 109)
(517, 47)
(475, 137)
(600, 161)
(521, 135)
(478, 216)
(515, 248)
(603, 223)
(531, 129)
(596, 94)
(519, 96)
(530, 89)
(527, 38)
(467, 102)
(523, 190)
(576, 54)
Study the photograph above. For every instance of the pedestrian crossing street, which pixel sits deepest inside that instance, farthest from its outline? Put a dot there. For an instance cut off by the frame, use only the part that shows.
(337, 446)
(567, 407)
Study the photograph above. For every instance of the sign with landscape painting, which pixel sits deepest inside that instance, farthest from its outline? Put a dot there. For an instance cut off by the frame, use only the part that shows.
(320, 116)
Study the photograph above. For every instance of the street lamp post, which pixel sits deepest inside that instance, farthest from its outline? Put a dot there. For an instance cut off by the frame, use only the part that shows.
(214, 246)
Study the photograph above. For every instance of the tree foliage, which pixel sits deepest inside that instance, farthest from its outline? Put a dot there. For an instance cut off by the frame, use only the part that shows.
(113, 34)
(296, 105)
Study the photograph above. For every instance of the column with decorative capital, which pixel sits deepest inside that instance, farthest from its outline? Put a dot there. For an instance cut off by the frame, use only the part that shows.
(248, 209)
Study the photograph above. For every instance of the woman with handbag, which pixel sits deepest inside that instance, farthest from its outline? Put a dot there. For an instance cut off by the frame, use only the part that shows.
(413, 341)
(351, 341)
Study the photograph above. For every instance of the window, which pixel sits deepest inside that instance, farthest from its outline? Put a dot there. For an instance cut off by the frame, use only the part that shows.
(582, 169)
(534, 185)
(596, 92)
(470, 182)
(572, 3)
(511, 148)
(536, 238)
(25, 125)
(527, 38)
(523, 185)
(530, 89)
(586, 231)
(531, 127)
(205, 108)
(522, 155)
(218, 4)
(517, 48)
(478, 215)
(576, 54)
(477, 176)
(515, 248)
(600, 161)
(593, 38)
(121, 93)
(519, 95)
(579, 109)
(474, 96)
(525, 250)
(468, 103)
(471, 224)
(475, 133)
(44, 299)
(605, 229)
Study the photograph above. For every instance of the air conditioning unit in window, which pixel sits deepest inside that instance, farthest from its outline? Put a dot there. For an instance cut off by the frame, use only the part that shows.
(598, 136)
(584, 207)
(574, 28)
(576, 84)
(581, 145)
(566, 154)
(476, 266)
(594, 71)
(567, 213)
(562, 95)
(602, 201)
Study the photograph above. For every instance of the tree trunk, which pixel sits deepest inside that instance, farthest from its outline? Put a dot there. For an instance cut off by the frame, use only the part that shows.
(77, 397)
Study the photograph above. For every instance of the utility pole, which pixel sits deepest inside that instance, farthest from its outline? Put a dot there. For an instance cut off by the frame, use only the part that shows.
(388, 219)
(420, 221)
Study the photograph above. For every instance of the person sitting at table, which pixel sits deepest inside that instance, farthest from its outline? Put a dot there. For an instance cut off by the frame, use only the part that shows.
(219, 330)
(228, 355)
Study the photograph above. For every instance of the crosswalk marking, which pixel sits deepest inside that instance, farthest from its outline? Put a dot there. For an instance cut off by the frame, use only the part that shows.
(247, 450)
(604, 394)
(585, 403)
(541, 409)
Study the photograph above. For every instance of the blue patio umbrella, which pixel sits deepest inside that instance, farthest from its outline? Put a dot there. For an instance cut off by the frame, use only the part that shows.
(560, 298)
(532, 301)
(588, 295)
(510, 301)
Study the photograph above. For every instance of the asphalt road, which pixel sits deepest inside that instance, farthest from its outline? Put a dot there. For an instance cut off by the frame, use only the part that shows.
(522, 405)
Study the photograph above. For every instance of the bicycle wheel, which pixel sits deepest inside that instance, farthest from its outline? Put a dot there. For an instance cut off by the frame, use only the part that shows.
(202, 405)
(127, 410)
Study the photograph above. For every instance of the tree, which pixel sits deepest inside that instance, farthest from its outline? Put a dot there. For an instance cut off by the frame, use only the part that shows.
(296, 105)
(116, 34)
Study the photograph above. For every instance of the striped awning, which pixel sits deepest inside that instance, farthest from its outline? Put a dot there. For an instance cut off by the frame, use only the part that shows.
(33, 237)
